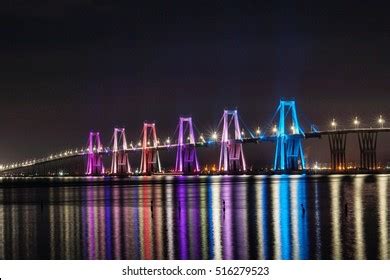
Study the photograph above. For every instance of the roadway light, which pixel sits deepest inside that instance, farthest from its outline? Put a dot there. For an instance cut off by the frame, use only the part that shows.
(334, 124)
(242, 133)
(168, 141)
(201, 138)
(215, 136)
(381, 121)
(258, 131)
(292, 129)
(356, 122)
(274, 129)
(148, 143)
(139, 144)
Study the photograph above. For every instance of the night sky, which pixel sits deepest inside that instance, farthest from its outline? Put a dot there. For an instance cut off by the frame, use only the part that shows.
(71, 66)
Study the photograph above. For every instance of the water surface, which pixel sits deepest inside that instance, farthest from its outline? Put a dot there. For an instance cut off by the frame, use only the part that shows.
(221, 217)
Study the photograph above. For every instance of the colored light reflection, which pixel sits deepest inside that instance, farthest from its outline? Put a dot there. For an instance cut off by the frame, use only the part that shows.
(224, 217)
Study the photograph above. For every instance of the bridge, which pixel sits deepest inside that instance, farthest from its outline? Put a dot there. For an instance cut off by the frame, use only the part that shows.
(287, 134)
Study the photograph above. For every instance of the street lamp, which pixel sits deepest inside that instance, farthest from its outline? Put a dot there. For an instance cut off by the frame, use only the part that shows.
(214, 136)
(258, 131)
(274, 129)
(356, 122)
(381, 121)
(334, 124)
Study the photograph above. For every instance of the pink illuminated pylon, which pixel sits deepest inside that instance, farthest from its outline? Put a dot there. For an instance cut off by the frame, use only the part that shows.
(150, 159)
(120, 160)
(95, 148)
(186, 159)
(232, 155)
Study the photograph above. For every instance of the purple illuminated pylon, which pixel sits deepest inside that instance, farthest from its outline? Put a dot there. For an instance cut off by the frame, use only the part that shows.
(186, 159)
(95, 148)
(120, 160)
(150, 159)
(232, 155)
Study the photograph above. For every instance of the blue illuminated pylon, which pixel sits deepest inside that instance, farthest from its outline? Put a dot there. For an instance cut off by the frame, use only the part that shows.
(289, 153)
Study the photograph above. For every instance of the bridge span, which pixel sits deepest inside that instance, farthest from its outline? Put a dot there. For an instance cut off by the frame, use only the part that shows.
(288, 140)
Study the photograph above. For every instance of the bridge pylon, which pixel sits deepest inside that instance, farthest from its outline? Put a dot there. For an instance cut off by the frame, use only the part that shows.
(232, 154)
(120, 160)
(95, 164)
(289, 153)
(150, 159)
(186, 158)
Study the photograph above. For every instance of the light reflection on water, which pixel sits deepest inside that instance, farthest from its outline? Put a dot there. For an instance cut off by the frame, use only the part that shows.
(225, 217)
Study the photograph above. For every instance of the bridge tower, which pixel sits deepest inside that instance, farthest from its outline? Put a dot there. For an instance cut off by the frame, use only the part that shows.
(95, 148)
(289, 153)
(232, 154)
(186, 158)
(150, 159)
(120, 161)
(367, 145)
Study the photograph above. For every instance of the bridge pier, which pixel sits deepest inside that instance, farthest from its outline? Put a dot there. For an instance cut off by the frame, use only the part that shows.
(231, 158)
(367, 145)
(337, 145)
(186, 158)
(150, 159)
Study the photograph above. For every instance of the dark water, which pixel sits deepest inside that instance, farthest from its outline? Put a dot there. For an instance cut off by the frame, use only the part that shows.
(276, 217)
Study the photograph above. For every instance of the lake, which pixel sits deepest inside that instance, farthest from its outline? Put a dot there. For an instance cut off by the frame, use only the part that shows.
(196, 217)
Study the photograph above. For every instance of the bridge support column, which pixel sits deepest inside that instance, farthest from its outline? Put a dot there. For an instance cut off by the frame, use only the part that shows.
(337, 145)
(120, 161)
(186, 158)
(232, 154)
(150, 159)
(95, 161)
(367, 145)
(289, 155)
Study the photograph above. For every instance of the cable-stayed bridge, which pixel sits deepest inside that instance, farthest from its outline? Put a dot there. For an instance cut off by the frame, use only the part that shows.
(286, 133)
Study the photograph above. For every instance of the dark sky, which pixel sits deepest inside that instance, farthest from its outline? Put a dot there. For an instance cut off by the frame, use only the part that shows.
(70, 66)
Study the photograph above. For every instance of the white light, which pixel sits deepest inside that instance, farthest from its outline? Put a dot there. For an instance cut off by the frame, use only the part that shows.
(258, 131)
(274, 129)
(334, 124)
(381, 121)
(215, 136)
(356, 122)
(168, 141)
